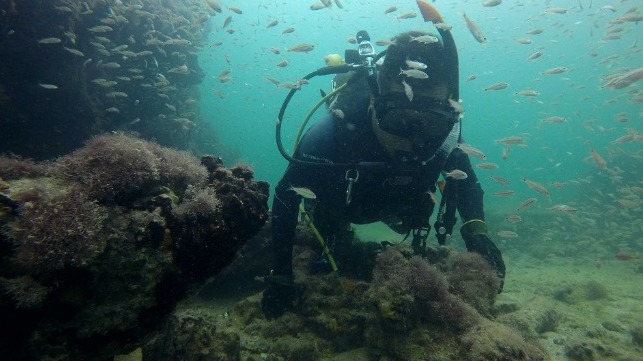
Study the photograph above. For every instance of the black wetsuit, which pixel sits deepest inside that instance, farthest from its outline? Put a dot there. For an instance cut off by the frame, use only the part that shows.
(380, 194)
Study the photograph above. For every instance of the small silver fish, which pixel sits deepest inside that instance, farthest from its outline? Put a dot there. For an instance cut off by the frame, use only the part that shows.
(443, 26)
(457, 106)
(523, 40)
(497, 86)
(408, 90)
(434, 197)
(491, 3)
(49, 41)
(487, 165)
(111, 65)
(554, 119)
(304, 192)
(302, 48)
(414, 73)
(272, 80)
(556, 70)
(526, 203)
(500, 180)
(472, 151)
(563, 208)
(412, 64)
(289, 85)
(390, 9)
(383, 42)
(410, 15)
(536, 187)
(74, 51)
(456, 174)
(100, 29)
(425, 39)
(318, 6)
(177, 42)
(474, 29)
(48, 86)
(510, 140)
(227, 21)
(528, 93)
(181, 69)
(536, 31)
(116, 95)
(504, 193)
(338, 113)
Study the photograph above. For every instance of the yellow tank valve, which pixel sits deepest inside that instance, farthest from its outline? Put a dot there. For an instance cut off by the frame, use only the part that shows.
(333, 60)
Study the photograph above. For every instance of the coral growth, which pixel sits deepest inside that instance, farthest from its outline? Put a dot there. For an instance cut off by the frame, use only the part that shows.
(63, 231)
(178, 168)
(210, 221)
(15, 167)
(24, 291)
(411, 294)
(425, 282)
(116, 167)
(411, 289)
(192, 335)
(198, 202)
(406, 313)
(474, 280)
(243, 171)
(96, 254)
(110, 167)
(494, 341)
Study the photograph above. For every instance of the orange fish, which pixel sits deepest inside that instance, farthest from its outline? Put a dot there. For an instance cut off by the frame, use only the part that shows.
(429, 13)
(441, 185)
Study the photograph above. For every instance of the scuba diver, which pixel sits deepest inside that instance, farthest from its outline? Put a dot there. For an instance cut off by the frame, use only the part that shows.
(391, 131)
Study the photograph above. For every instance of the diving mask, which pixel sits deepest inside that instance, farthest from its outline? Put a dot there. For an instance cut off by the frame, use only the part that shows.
(427, 119)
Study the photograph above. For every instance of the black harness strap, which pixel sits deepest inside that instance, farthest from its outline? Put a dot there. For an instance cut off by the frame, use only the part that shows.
(446, 219)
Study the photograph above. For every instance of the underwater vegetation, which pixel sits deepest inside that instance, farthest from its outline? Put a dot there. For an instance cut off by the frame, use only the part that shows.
(407, 309)
(98, 246)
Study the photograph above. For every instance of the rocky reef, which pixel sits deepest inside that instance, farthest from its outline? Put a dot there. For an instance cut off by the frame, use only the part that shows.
(407, 309)
(98, 247)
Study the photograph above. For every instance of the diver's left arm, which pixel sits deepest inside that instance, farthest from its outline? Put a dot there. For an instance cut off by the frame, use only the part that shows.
(470, 207)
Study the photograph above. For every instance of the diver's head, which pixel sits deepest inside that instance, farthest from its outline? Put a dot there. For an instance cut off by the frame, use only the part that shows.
(412, 114)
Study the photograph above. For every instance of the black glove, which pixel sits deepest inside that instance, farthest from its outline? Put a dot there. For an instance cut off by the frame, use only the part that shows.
(477, 240)
(279, 295)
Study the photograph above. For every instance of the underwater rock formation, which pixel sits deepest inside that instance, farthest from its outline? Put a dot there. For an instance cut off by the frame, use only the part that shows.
(97, 249)
(409, 309)
(73, 69)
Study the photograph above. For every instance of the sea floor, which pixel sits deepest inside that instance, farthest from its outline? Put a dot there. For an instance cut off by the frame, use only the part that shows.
(585, 309)
(598, 300)
(599, 308)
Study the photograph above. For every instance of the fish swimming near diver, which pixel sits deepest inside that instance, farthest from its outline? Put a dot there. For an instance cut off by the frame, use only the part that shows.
(474, 29)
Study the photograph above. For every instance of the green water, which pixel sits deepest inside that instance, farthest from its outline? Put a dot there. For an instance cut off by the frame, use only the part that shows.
(245, 118)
